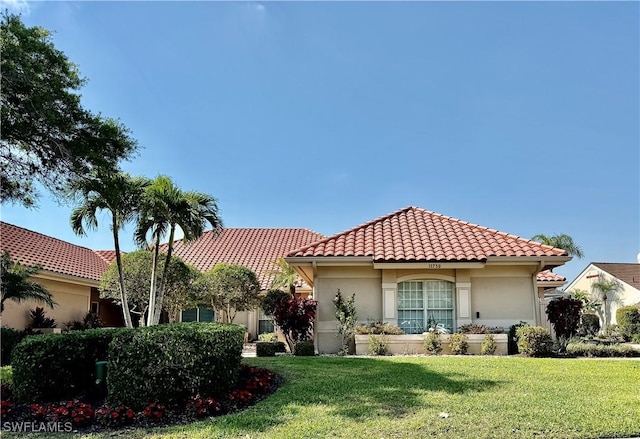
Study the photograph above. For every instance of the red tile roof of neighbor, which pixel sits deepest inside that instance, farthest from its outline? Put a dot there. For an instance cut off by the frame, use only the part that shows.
(626, 272)
(32, 248)
(252, 248)
(414, 234)
(108, 255)
(550, 276)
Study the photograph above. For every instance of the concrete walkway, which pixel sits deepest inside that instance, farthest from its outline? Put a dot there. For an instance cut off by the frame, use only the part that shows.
(249, 350)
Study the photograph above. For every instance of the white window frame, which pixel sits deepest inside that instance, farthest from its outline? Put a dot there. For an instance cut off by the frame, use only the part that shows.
(426, 311)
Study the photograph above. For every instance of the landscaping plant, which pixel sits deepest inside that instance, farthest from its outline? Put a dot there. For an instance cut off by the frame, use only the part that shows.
(489, 345)
(295, 316)
(378, 345)
(628, 318)
(432, 343)
(534, 341)
(564, 314)
(458, 343)
(346, 315)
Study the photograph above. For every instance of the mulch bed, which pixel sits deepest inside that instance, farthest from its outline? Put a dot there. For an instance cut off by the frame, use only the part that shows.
(94, 415)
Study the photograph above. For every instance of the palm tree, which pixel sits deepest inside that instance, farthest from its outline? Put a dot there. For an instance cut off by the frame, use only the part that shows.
(16, 283)
(118, 194)
(605, 287)
(163, 208)
(285, 276)
(565, 242)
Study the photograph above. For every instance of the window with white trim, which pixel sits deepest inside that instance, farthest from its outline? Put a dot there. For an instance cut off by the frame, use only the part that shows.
(425, 302)
(265, 324)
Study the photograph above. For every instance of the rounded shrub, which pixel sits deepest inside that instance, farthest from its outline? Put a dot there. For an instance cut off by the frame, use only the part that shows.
(378, 345)
(628, 318)
(513, 338)
(304, 348)
(167, 364)
(432, 343)
(534, 341)
(266, 349)
(489, 345)
(590, 324)
(458, 343)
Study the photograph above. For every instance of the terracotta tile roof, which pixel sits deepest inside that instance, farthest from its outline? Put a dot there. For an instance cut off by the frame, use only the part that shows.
(549, 276)
(414, 234)
(32, 248)
(626, 272)
(252, 248)
(108, 255)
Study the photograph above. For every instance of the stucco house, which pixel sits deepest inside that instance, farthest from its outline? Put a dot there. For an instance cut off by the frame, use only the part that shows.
(413, 266)
(628, 274)
(71, 273)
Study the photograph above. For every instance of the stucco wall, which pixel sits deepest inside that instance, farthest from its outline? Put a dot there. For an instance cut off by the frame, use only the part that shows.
(72, 304)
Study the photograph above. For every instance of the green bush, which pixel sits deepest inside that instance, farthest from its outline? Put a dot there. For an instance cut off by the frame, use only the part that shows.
(167, 364)
(269, 348)
(635, 338)
(378, 345)
(628, 318)
(489, 345)
(9, 339)
(458, 343)
(598, 350)
(512, 347)
(432, 343)
(54, 367)
(268, 336)
(304, 348)
(534, 341)
(378, 328)
(590, 324)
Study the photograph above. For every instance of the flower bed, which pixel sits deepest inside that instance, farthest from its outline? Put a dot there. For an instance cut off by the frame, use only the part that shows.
(254, 384)
(411, 344)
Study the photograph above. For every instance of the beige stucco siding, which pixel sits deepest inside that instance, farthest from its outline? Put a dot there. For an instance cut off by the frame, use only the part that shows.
(72, 304)
(502, 301)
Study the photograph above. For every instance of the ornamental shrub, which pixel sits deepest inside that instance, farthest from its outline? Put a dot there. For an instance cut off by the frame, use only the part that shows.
(534, 341)
(55, 367)
(266, 348)
(472, 328)
(295, 316)
(376, 327)
(628, 318)
(346, 316)
(378, 345)
(590, 324)
(599, 350)
(458, 343)
(513, 339)
(489, 345)
(432, 343)
(564, 314)
(167, 364)
(9, 339)
(304, 348)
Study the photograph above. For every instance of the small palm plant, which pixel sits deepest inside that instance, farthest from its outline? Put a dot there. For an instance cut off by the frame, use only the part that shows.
(605, 287)
(16, 283)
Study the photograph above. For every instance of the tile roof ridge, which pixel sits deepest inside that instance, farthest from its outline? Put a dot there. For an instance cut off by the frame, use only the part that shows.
(48, 236)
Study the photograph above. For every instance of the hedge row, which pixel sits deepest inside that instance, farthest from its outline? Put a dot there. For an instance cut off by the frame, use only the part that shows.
(269, 348)
(53, 367)
(9, 339)
(168, 364)
(628, 318)
(598, 350)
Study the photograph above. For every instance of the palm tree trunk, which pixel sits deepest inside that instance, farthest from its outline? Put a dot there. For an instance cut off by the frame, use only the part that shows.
(163, 280)
(152, 290)
(123, 292)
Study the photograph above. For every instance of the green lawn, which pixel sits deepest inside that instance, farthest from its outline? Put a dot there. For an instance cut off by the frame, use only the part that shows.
(398, 397)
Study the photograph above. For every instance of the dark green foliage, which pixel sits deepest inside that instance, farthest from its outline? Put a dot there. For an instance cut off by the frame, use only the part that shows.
(458, 343)
(628, 318)
(16, 283)
(271, 299)
(168, 364)
(590, 325)
(91, 320)
(269, 348)
(513, 340)
(47, 136)
(9, 339)
(304, 348)
(39, 319)
(534, 341)
(564, 314)
(55, 367)
(598, 350)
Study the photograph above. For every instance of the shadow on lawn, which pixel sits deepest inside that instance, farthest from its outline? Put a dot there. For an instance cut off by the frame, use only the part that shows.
(354, 388)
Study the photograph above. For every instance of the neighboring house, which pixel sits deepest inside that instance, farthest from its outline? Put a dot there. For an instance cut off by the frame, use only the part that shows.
(254, 248)
(414, 267)
(627, 274)
(69, 272)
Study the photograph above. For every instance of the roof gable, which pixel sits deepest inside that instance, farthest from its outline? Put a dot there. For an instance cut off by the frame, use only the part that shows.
(414, 234)
(52, 254)
(628, 273)
(253, 248)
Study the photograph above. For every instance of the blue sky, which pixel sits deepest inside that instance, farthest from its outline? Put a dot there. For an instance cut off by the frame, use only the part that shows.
(522, 117)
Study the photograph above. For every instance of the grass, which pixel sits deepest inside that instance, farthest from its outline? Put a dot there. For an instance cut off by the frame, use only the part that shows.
(398, 397)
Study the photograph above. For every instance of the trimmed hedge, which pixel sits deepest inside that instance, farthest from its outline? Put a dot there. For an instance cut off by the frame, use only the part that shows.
(534, 341)
(598, 350)
(9, 339)
(304, 348)
(167, 364)
(628, 318)
(54, 367)
(269, 348)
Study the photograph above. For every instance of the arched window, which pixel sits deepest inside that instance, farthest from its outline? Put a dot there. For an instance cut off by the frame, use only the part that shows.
(425, 303)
